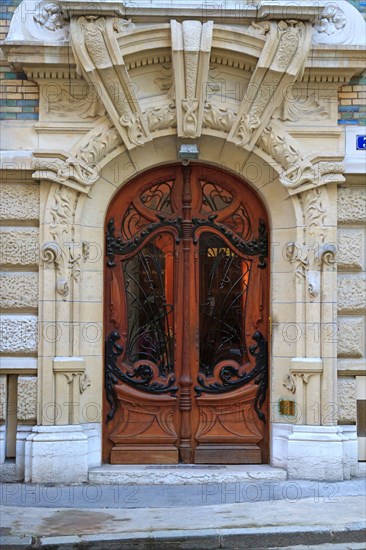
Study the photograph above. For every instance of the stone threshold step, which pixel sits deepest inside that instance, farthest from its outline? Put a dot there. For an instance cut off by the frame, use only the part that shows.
(184, 474)
(286, 538)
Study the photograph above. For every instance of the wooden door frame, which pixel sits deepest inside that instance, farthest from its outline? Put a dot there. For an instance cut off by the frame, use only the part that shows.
(143, 180)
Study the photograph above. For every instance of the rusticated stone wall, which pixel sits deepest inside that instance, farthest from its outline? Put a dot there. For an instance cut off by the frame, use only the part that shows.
(19, 258)
(351, 290)
(27, 399)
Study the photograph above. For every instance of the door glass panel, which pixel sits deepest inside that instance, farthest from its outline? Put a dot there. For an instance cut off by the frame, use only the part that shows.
(214, 197)
(224, 281)
(159, 197)
(148, 280)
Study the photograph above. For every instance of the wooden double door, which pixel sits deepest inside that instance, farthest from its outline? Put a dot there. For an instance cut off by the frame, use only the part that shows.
(186, 320)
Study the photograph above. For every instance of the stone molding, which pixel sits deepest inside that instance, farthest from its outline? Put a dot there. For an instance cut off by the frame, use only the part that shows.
(304, 381)
(327, 453)
(72, 371)
(336, 23)
(80, 169)
(60, 253)
(315, 254)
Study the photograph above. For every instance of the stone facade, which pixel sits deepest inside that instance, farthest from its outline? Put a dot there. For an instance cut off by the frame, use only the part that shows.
(350, 246)
(350, 337)
(347, 400)
(27, 399)
(19, 247)
(3, 400)
(19, 334)
(19, 303)
(18, 291)
(352, 205)
(351, 293)
(19, 202)
(258, 96)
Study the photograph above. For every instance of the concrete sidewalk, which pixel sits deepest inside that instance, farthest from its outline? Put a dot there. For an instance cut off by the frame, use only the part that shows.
(335, 513)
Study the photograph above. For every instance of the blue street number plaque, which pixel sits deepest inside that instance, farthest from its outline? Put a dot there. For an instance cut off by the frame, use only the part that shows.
(360, 142)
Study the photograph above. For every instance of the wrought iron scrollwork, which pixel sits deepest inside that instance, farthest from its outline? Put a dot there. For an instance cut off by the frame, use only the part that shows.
(112, 372)
(255, 247)
(231, 378)
(150, 328)
(140, 377)
(159, 197)
(215, 197)
(117, 245)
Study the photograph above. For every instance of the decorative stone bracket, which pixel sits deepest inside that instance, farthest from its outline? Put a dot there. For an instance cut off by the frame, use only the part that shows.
(79, 169)
(304, 380)
(279, 65)
(70, 380)
(65, 169)
(297, 172)
(98, 56)
(191, 49)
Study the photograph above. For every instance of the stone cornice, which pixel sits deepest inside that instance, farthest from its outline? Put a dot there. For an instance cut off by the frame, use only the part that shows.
(326, 64)
(230, 11)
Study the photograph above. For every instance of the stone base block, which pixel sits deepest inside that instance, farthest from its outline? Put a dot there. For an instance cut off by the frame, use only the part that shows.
(56, 454)
(2, 443)
(219, 477)
(350, 448)
(323, 453)
(23, 432)
(93, 431)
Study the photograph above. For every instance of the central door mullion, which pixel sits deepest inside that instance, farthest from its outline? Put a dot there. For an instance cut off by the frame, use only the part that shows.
(185, 381)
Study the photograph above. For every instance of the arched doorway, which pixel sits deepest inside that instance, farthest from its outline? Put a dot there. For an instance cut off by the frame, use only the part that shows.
(186, 320)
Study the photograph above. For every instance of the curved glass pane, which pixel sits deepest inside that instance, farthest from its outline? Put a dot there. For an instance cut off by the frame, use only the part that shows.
(223, 293)
(149, 291)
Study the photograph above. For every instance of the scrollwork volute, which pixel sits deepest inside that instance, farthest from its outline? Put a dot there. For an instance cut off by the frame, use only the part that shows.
(81, 170)
(311, 257)
(62, 253)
